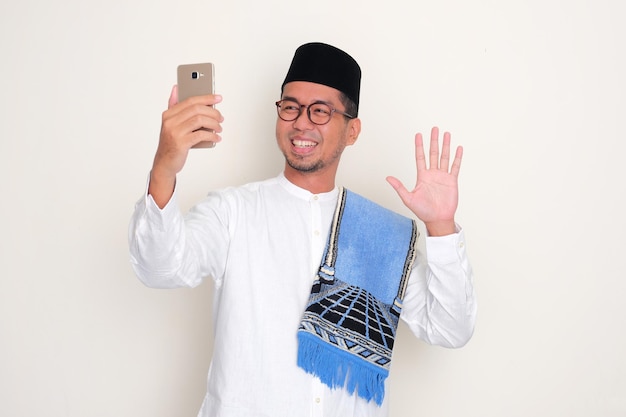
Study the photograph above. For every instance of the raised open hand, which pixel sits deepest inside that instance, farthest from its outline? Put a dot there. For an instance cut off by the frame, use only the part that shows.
(435, 198)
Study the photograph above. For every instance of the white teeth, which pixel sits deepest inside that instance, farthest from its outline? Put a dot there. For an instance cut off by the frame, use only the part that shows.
(303, 143)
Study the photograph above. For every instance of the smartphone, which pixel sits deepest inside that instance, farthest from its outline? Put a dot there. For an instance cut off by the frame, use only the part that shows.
(196, 80)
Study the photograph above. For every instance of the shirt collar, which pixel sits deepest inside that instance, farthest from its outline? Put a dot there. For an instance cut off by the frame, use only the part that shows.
(306, 194)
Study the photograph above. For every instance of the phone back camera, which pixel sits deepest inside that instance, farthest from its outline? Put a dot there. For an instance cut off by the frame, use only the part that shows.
(195, 75)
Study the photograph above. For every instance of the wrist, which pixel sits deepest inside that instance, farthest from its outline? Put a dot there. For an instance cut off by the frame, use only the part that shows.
(161, 187)
(441, 228)
(161, 176)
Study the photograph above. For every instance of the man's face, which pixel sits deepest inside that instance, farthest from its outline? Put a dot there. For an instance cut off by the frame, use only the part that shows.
(311, 148)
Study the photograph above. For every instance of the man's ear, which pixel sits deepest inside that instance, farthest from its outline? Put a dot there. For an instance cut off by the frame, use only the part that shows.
(354, 129)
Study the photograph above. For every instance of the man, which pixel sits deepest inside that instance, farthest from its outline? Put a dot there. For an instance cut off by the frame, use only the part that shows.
(310, 279)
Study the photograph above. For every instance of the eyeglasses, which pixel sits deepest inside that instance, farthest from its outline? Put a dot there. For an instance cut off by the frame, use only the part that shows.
(319, 112)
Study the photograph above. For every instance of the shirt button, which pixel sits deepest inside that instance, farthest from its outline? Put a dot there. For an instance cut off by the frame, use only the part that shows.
(461, 245)
(316, 233)
(317, 400)
(315, 197)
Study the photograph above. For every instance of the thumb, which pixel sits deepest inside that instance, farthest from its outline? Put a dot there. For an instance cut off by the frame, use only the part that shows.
(173, 97)
(397, 185)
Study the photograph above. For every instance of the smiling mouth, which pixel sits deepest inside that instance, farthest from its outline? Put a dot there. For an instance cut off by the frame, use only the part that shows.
(303, 143)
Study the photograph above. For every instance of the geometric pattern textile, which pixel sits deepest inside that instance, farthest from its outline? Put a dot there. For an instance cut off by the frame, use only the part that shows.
(347, 331)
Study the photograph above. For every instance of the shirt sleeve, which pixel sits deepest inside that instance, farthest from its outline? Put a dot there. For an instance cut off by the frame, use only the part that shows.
(170, 250)
(440, 303)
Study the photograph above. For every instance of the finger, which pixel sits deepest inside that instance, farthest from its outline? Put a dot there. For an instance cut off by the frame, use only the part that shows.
(208, 121)
(190, 119)
(197, 107)
(400, 188)
(204, 135)
(456, 164)
(206, 101)
(444, 163)
(420, 158)
(434, 148)
(173, 97)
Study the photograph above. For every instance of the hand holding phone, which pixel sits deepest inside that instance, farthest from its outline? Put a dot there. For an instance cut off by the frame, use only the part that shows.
(196, 80)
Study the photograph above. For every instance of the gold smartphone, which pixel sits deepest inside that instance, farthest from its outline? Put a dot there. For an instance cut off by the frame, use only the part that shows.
(196, 80)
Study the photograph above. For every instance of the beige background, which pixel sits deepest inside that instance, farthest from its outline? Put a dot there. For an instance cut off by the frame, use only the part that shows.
(533, 89)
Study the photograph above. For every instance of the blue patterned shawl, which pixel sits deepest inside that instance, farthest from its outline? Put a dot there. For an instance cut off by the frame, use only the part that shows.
(347, 333)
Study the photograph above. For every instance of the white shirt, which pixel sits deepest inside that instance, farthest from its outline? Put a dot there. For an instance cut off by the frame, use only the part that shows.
(262, 244)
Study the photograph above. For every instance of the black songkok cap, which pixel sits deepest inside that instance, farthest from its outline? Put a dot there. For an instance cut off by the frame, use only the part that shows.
(324, 64)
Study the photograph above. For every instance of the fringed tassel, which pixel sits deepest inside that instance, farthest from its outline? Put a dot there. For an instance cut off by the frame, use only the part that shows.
(337, 369)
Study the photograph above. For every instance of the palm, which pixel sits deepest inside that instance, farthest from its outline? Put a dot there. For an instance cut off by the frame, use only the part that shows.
(435, 196)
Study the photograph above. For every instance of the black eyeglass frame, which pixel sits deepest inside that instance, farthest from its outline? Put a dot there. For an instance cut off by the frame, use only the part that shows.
(308, 111)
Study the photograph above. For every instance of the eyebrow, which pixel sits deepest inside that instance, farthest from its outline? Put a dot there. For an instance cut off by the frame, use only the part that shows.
(314, 101)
